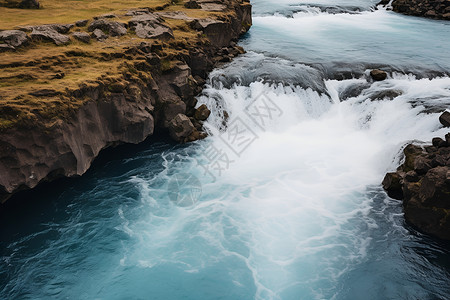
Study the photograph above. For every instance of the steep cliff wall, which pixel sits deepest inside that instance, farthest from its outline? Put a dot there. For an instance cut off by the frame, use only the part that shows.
(158, 82)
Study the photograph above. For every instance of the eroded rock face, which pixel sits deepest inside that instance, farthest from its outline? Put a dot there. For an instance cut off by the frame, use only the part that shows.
(180, 127)
(122, 112)
(423, 182)
(378, 75)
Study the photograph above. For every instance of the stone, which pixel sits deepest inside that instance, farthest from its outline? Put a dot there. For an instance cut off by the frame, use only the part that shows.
(150, 26)
(82, 37)
(378, 75)
(49, 34)
(411, 176)
(444, 118)
(113, 28)
(99, 35)
(15, 38)
(6, 47)
(180, 128)
(202, 113)
(421, 165)
(81, 23)
(438, 142)
(392, 184)
(192, 4)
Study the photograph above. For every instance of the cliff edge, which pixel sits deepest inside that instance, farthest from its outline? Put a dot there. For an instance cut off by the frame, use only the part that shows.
(69, 90)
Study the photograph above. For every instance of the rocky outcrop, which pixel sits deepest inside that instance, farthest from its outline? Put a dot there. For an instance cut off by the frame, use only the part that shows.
(82, 37)
(14, 38)
(423, 183)
(435, 9)
(112, 28)
(153, 94)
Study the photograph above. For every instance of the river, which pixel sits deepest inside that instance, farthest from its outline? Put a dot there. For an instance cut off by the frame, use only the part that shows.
(282, 200)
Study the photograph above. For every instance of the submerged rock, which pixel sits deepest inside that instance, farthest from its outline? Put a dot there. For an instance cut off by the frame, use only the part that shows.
(378, 75)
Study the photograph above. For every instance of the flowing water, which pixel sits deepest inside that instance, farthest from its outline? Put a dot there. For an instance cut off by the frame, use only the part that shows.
(281, 201)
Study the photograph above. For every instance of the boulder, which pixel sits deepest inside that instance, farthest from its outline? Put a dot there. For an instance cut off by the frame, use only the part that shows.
(192, 4)
(99, 35)
(392, 184)
(113, 28)
(15, 38)
(82, 37)
(180, 128)
(150, 26)
(378, 75)
(49, 34)
(202, 113)
(81, 23)
(445, 119)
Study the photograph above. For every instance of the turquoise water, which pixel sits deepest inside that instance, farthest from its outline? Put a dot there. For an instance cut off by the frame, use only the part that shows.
(295, 210)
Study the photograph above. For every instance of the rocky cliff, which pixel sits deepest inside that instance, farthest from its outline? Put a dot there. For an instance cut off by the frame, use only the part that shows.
(435, 9)
(423, 183)
(113, 79)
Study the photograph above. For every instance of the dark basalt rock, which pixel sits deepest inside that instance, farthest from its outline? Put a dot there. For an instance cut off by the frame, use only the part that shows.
(202, 113)
(180, 128)
(378, 75)
(423, 183)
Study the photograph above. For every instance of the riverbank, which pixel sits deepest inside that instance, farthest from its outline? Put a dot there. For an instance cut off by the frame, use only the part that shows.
(422, 182)
(70, 90)
(429, 9)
